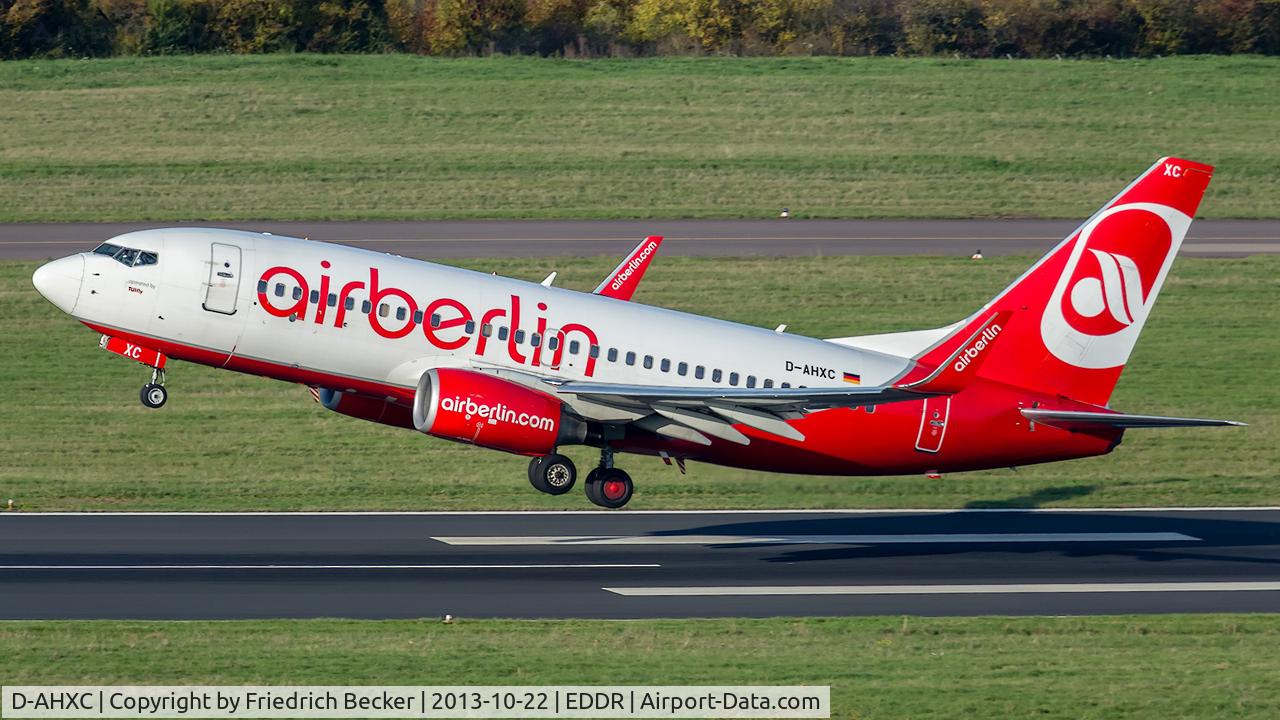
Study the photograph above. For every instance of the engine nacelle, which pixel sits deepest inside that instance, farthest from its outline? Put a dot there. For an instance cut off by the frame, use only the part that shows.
(379, 410)
(488, 411)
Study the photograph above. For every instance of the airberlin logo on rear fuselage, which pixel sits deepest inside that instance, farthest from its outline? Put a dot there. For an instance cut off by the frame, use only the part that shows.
(973, 351)
(621, 278)
(456, 326)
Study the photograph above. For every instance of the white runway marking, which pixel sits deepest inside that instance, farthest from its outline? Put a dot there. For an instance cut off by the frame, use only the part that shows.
(816, 539)
(615, 513)
(543, 566)
(944, 589)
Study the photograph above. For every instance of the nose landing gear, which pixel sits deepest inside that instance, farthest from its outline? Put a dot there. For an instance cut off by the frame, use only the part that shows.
(153, 393)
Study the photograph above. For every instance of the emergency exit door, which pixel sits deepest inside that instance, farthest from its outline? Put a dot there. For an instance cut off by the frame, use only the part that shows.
(224, 279)
(933, 424)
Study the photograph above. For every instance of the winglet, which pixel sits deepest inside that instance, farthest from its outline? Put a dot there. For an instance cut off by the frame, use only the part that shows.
(954, 374)
(622, 282)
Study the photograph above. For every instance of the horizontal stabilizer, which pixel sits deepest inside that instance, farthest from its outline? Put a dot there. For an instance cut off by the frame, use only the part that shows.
(1086, 420)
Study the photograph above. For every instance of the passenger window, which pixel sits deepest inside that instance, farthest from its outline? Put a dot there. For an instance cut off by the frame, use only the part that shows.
(486, 329)
(417, 317)
(262, 285)
(648, 362)
(786, 385)
(435, 320)
(593, 351)
(315, 296)
(401, 313)
(146, 258)
(502, 333)
(768, 383)
(519, 336)
(699, 372)
(733, 378)
(535, 340)
(384, 310)
(470, 327)
(716, 375)
(366, 307)
(297, 293)
(349, 303)
(574, 347)
(631, 358)
(665, 365)
(751, 381)
(682, 368)
(613, 355)
(333, 300)
(553, 342)
(279, 289)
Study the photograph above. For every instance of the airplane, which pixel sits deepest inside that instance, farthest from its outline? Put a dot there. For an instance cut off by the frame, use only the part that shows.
(528, 368)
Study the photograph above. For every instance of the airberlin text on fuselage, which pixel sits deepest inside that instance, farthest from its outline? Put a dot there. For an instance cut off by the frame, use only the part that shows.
(450, 333)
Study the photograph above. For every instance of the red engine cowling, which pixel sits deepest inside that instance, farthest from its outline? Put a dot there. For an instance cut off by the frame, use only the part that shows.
(379, 410)
(484, 410)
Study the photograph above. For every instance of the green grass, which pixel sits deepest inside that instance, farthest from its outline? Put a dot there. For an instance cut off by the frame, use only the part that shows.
(312, 137)
(1106, 667)
(76, 438)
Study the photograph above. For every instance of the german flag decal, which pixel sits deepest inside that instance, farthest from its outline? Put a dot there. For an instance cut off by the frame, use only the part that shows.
(854, 378)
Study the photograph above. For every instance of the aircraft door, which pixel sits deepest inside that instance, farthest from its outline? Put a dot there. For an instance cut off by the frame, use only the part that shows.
(224, 279)
(933, 424)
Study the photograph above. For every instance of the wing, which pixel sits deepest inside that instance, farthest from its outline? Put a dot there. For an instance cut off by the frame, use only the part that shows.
(692, 413)
(1078, 420)
(625, 278)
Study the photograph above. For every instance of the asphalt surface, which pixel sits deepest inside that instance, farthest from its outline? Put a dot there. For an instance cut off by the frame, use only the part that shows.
(635, 565)
(524, 238)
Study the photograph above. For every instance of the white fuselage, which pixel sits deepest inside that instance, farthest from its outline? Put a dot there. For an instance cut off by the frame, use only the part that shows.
(272, 304)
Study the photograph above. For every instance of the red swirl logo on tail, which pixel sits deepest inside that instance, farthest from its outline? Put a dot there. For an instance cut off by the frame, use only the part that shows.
(1110, 285)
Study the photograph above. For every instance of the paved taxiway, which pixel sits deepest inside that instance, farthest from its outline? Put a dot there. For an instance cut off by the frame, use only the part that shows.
(636, 564)
(522, 238)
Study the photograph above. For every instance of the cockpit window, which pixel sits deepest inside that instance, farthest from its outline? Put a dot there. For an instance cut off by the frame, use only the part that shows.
(129, 257)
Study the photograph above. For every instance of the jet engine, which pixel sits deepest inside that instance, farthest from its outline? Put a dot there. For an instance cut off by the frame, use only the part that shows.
(484, 410)
(379, 410)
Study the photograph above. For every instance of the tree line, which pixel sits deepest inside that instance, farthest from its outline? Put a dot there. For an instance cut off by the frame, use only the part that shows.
(613, 28)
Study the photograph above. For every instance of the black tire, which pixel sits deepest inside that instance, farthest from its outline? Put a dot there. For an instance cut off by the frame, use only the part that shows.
(535, 473)
(610, 488)
(553, 474)
(154, 396)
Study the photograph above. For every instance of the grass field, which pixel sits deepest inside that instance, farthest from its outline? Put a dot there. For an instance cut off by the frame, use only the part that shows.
(314, 137)
(1109, 667)
(76, 438)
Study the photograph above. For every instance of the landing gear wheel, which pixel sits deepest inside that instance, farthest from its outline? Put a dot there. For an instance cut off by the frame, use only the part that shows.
(609, 487)
(552, 474)
(154, 396)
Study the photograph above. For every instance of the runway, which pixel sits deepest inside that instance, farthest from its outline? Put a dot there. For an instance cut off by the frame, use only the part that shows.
(637, 564)
(526, 238)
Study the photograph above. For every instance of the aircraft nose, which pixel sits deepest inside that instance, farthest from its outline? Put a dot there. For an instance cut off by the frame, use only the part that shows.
(59, 281)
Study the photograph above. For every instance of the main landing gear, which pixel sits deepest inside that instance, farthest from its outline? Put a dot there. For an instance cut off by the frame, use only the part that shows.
(606, 486)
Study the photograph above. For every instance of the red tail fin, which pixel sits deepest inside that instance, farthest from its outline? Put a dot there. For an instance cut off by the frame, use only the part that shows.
(1081, 307)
